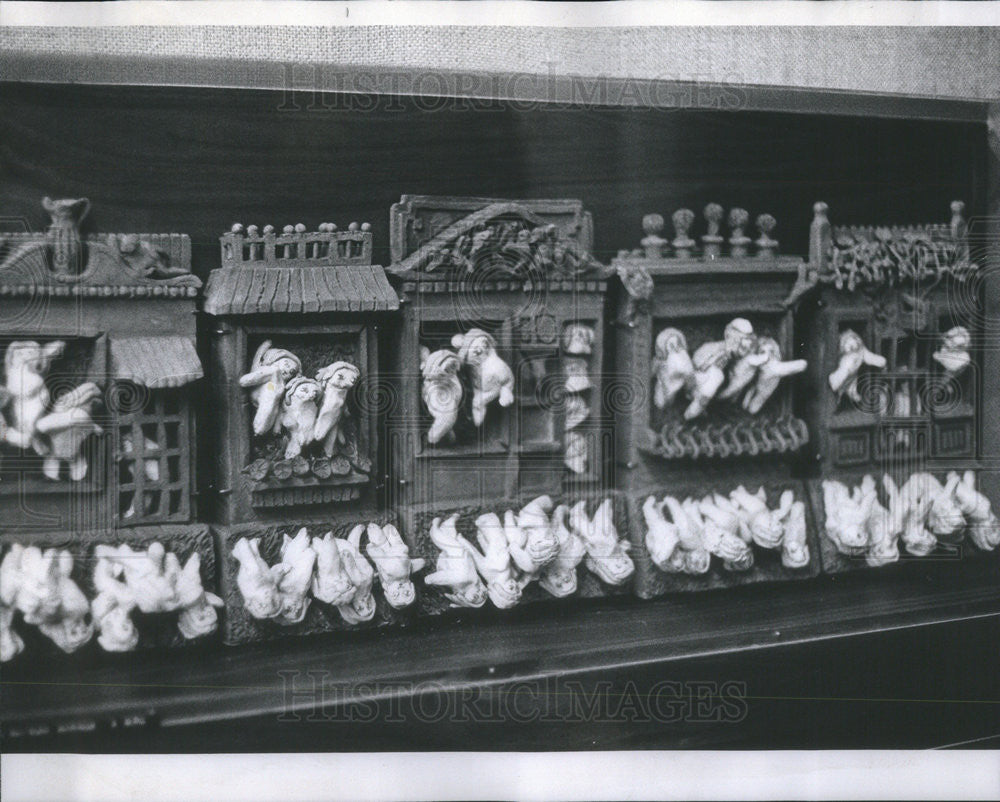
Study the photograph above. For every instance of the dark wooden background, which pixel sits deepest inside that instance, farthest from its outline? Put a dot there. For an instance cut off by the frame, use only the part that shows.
(196, 160)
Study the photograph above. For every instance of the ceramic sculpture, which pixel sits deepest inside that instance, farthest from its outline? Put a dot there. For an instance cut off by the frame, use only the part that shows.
(672, 367)
(335, 381)
(770, 371)
(299, 411)
(256, 580)
(559, 576)
(441, 391)
(607, 554)
(295, 574)
(455, 570)
(197, 615)
(391, 558)
(711, 360)
(269, 372)
(953, 355)
(361, 606)
(494, 562)
(492, 379)
(984, 527)
(331, 583)
(853, 355)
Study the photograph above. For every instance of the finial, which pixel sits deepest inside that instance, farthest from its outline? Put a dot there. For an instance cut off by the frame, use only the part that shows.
(765, 245)
(712, 241)
(256, 249)
(300, 228)
(959, 229)
(738, 241)
(683, 219)
(268, 229)
(820, 209)
(237, 228)
(653, 244)
(352, 227)
(366, 226)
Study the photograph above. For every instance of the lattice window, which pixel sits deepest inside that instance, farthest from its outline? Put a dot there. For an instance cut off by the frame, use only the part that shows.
(153, 451)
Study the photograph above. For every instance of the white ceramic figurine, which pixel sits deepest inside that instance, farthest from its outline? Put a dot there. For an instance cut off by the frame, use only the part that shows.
(299, 410)
(672, 366)
(295, 574)
(270, 370)
(540, 545)
(330, 583)
(67, 427)
(607, 554)
(492, 378)
(442, 392)
(26, 364)
(361, 607)
(391, 557)
(770, 372)
(336, 381)
(257, 581)
(853, 355)
(559, 576)
(494, 563)
(953, 355)
(455, 569)
(984, 527)
(711, 360)
(197, 616)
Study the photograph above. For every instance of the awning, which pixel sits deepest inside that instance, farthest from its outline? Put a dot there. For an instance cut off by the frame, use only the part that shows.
(247, 290)
(155, 362)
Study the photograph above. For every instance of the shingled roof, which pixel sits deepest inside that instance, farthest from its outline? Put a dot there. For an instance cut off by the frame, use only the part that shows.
(260, 289)
(155, 362)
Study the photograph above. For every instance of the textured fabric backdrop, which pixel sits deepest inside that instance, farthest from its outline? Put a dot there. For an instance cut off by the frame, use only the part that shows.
(939, 62)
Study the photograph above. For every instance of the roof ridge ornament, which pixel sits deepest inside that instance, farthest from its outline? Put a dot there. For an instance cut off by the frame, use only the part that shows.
(61, 262)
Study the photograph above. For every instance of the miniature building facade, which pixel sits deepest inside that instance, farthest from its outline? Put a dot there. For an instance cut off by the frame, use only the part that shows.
(895, 371)
(500, 359)
(100, 353)
(501, 425)
(285, 308)
(707, 446)
(100, 542)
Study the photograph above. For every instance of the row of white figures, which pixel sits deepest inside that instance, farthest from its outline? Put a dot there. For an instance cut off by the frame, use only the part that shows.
(152, 581)
(38, 584)
(577, 342)
(681, 536)
(491, 380)
(309, 410)
(920, 514)
(328, 569)
(541, 542)
(55, 429)
(952, 355)
(742, 368)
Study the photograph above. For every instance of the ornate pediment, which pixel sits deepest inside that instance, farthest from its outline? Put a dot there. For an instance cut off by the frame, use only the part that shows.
(873, 258)
(502, 240)
(61, 262)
